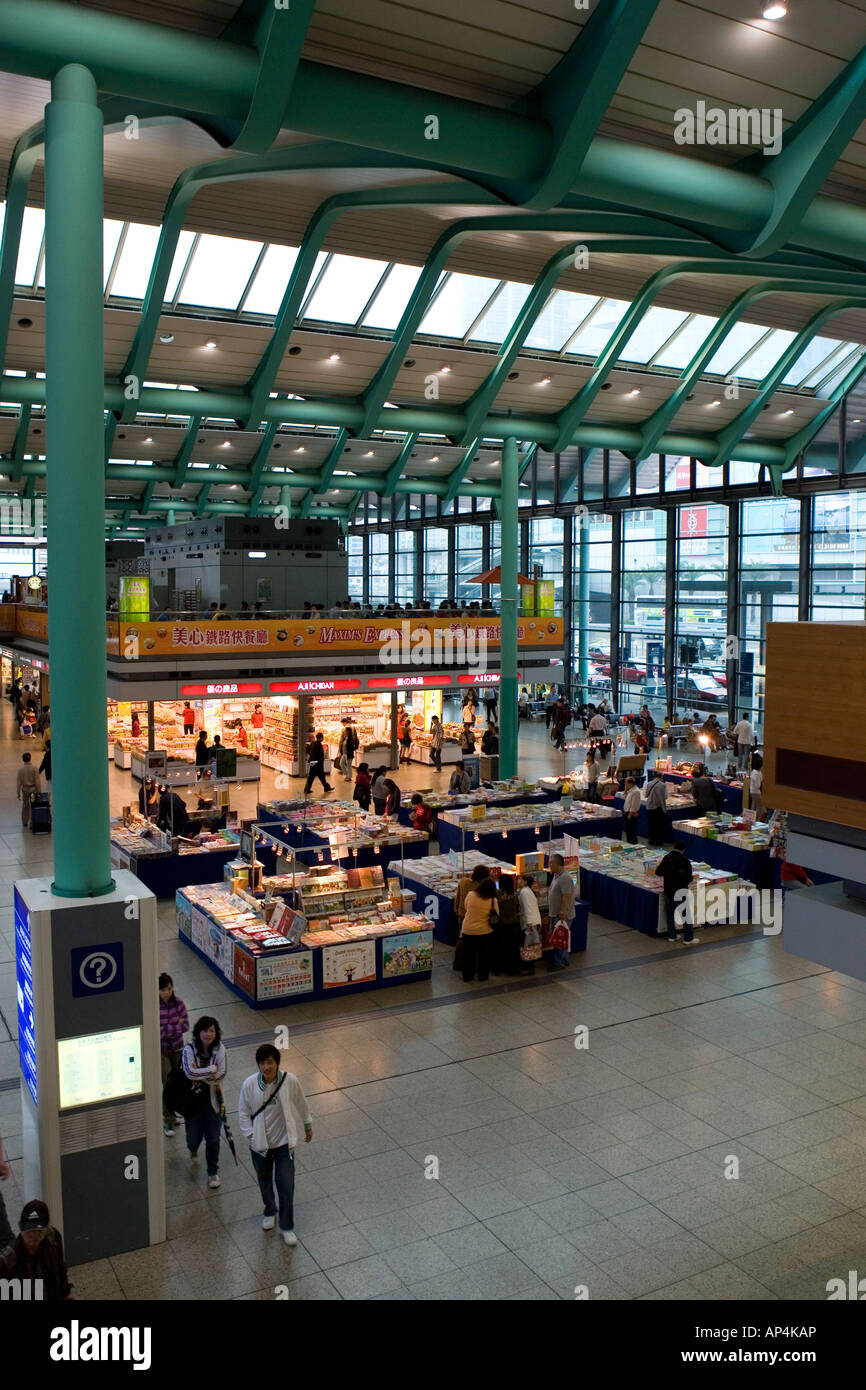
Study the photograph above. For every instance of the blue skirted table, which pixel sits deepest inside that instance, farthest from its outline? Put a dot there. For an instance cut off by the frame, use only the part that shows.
(521, 840)
(636, 907)
(754, 865)
(164, 874)
(319, 851)
(732, 793)
(404, 815)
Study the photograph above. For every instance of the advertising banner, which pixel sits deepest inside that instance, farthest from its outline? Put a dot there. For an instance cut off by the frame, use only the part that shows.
(134, 596)
(407, 954)
(285, 975)
(245, 972)
(350, 964)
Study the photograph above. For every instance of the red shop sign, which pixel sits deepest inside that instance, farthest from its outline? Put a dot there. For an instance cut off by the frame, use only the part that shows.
(405, 682)
(486, 678)
(223, 688)
(282, 687)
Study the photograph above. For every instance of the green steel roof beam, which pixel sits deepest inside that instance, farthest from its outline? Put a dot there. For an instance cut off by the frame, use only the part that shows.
(349, 514)
(574, 97)
(810, 150)
(306, 503)
(729, 437)
(19, 447)
(206, 77)
(256, 501)
(203, 496)
(656, 424)
(184, 453)
(329, 465)
(277, 33)
(634, 234)
(457, 475)
(260, 458)
(526, 461)
(262, 381)
(395, 472)
(481, 402)
(799, 442)
(189, 183)
(27, 152)
(576, 410)
(146, 499)
(571, 491)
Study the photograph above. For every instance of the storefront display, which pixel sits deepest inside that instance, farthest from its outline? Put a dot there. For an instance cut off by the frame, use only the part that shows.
(270, 953)
(280, 748)
(370, 714)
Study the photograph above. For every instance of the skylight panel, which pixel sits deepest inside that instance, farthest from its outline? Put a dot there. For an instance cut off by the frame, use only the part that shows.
(821, 370)
(272, 278)
(563, 313)
(737, 342)
(652, 332)
(345, 288)
(765, 357)
(387, 308)
(136, 259)
(184, 242)
(498, 319)
(32, 227)
(592, 339)
(458, 304)
(221, 267)
(818, 351)
(680, 352)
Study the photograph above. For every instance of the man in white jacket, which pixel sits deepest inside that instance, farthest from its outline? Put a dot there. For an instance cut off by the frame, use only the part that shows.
(265, 1115)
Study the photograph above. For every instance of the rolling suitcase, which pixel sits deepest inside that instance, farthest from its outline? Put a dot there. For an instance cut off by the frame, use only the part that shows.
(40, 813)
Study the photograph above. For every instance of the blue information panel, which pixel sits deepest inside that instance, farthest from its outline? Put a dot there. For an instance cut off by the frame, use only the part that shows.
(26, 1010)
(96, 969)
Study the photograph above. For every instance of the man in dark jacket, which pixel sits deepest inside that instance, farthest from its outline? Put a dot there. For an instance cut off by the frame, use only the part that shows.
(37, 1254)
(704, 793)
(316, 759)
(675, 870)
(173, 815)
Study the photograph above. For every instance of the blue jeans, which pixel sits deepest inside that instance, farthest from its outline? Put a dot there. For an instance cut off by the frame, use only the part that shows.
(207, 1126)
(560, 957)
(277, 1165)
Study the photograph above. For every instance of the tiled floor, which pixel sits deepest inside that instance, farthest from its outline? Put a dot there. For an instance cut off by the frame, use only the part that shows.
(710, 1143)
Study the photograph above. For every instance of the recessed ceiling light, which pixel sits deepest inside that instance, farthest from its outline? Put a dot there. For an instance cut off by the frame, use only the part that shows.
(545, 381)
(369, 454)
(334, 357)
(445, 370)
(715, 402)
(787, 412)
(166, 337)
(435, 458)
(855, 422)
(774, 9)
(300, 450)
(226, 444)
(635, 392)
(148, 440)
(210, 343)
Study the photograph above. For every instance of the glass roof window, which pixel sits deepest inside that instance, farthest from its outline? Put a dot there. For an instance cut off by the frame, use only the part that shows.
(220, 270)
(592, 339)
(818, 351)
(736, 344)
(682, 349)
(457, 306)
(762, 361)
(652, 333)
(32, 227)
(184, 244)
(136, 259)
(847, 364)
(344, 289)
(501, 314)
(564, 312)
(271, 279)
(387, 308)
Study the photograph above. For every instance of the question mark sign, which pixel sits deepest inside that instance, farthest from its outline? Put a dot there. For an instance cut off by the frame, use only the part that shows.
(99, 966)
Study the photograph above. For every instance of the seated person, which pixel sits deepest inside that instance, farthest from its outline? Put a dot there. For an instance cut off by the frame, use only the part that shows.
(422, 816)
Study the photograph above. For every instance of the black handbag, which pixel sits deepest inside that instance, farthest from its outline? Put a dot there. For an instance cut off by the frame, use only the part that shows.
(180, 1096)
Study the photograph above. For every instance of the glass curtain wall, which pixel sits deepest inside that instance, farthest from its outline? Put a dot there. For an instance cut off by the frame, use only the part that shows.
(355, 554)
(590, 605)
(839, 536)
(469, 561)
(378, 568)
(435, 584)
(768, 588)
(642, 612)
(404, 578)
(545, 549)
(701, 610)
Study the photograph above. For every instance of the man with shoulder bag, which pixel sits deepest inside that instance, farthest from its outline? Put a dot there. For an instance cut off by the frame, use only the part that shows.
(265, 1114)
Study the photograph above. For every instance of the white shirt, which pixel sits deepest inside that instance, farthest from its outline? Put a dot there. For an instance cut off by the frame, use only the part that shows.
(631, 805)
(530, 913)
(743, 732)
(290, 1098)
(756, 780)
(591, 773)
(599, 722)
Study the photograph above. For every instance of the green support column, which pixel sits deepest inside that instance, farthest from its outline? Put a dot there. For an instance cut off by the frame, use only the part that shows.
(75, 378)
(509, 597)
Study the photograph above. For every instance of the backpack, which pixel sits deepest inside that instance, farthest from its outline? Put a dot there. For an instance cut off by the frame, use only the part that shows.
(180, 1096)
